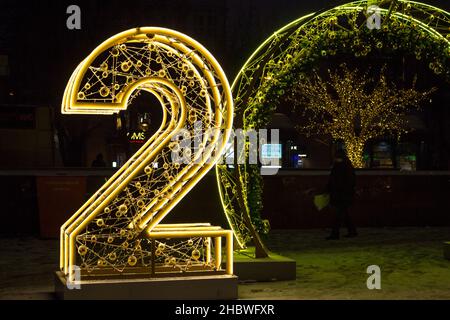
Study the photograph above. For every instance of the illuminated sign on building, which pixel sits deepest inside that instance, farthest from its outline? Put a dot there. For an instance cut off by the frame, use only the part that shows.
(136, 136)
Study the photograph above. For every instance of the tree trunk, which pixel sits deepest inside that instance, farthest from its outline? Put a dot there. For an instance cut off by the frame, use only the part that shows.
(261, 250)
(355, 150)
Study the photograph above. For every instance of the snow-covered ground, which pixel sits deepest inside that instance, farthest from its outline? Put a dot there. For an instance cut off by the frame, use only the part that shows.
(411, 262)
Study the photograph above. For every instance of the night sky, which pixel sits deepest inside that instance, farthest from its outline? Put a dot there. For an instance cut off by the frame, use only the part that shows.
(43, 52)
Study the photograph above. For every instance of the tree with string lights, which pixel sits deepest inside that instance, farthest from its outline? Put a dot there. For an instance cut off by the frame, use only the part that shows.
(354, 107)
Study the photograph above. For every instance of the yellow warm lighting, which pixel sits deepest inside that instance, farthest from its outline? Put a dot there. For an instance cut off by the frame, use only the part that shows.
(118, 228)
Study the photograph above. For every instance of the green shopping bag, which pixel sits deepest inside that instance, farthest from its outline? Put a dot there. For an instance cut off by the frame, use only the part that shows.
(321, 201)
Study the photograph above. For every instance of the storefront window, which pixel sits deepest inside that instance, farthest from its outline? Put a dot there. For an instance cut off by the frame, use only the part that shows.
(382, 156)
(406, 157)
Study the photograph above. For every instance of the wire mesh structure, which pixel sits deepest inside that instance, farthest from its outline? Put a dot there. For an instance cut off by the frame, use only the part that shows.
(117, 232)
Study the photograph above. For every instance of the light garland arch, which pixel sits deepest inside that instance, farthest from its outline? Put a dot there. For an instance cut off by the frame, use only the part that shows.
(406, 26)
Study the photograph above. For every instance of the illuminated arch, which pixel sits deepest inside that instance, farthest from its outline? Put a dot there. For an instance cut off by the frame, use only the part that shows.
(300, 45)
(118, 231)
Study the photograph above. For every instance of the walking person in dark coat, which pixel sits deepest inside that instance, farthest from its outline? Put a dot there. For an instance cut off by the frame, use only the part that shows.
(341, 187)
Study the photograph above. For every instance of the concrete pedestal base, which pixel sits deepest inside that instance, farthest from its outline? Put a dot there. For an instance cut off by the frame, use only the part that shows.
(447, 250)
(214, 287)
(273, 268)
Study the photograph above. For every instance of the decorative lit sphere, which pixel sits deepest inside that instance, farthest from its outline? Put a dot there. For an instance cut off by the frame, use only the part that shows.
(101, 263)
(82, 250)
(132, 260)
(192, 117)
(100, 223)
(112, 256)
(161, 246)
(190, 74)
(110, 239)
(148, 170)
(125, 66)
(141, 204)
(123, 209)
(115, 52)
(195, 254)
(190, 242)
(104, 92)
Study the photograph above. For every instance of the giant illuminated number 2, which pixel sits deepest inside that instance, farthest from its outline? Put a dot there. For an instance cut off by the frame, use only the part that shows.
(118, 230)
